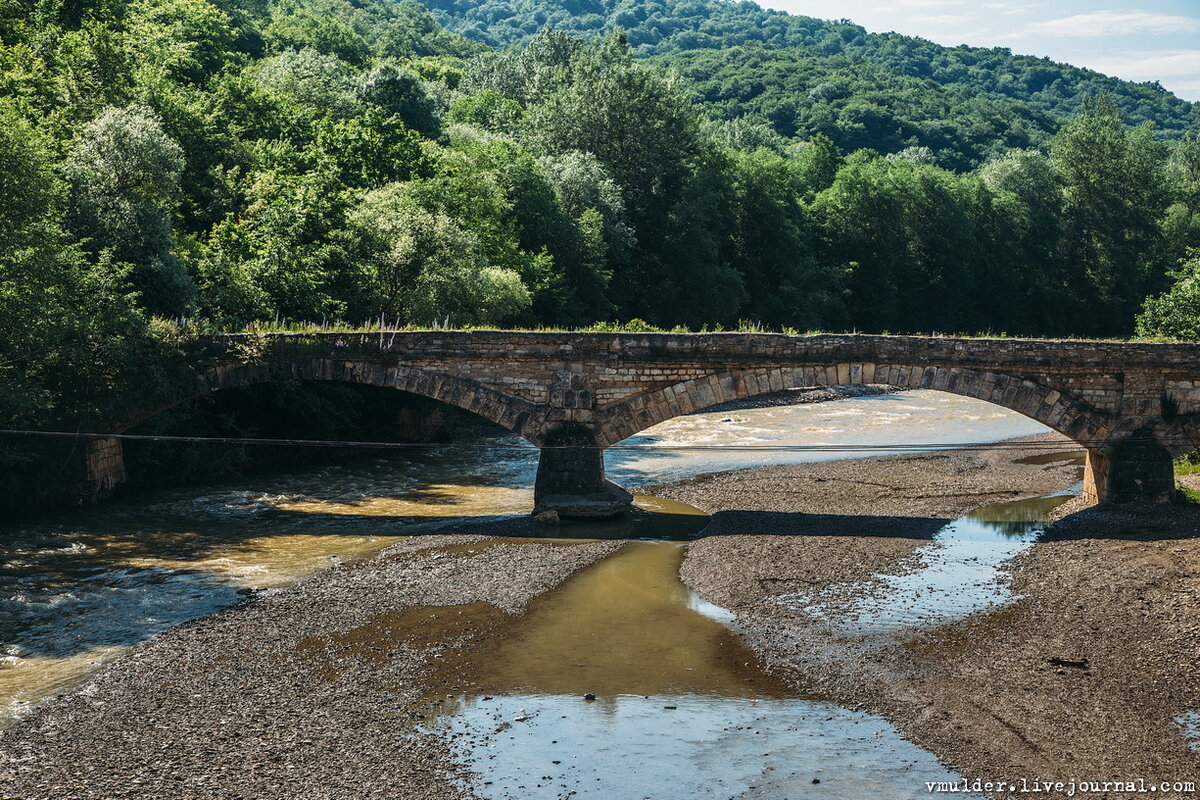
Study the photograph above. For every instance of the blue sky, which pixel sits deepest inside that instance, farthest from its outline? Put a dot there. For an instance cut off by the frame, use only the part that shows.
(1151, 40)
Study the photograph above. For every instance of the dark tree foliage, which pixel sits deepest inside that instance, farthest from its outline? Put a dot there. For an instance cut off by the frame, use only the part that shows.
(1024, 87)
(175, 165)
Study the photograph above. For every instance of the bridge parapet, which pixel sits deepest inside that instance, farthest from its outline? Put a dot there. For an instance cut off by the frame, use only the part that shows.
(595, 389)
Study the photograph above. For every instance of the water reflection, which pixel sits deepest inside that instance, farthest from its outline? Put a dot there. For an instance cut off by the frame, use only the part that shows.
(76, 587)
(681, 708)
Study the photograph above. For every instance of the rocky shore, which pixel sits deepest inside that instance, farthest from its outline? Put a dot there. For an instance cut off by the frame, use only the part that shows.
(318, 690)
(287, 695)
(1080, 678)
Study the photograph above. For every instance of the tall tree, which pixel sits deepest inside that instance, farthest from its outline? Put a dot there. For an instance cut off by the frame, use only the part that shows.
(124, 174)
(1114, 194)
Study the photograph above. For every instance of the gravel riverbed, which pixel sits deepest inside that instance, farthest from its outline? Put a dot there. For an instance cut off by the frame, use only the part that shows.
(278, 698)
(296, 694)
(1080, 678)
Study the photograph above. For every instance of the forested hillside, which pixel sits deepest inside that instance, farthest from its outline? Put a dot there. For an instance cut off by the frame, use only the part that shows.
(173, 166)
(1040, 91)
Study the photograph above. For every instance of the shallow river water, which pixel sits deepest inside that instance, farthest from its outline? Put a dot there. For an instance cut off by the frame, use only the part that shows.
(77, 588)
(681, 709)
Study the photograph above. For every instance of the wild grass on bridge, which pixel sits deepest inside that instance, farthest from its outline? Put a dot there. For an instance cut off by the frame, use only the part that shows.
(200, 327)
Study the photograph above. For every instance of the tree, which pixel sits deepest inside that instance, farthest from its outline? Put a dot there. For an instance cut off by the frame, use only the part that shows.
(910, 231)
(637, 121)
(583, 185)
(1113, 192)
(321, 81)
(774, 247)
(816, 165)
(184, 39)
(424, 266)
(70, 335)
(1181, 224)
(294, 27)
(1175, 314)
(1040, 297)
(401, 92)
(124, 174)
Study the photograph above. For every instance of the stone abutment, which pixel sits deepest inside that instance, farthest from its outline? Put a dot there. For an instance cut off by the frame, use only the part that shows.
(1133, 406)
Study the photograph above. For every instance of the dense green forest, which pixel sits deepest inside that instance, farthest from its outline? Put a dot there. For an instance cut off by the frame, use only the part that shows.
(754, 47)
(174, 166)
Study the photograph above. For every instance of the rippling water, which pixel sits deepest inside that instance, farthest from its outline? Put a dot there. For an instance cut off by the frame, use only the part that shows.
(906, 418)
(76, 588)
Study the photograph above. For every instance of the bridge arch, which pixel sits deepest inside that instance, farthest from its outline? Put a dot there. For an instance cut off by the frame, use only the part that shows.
(1133, 405)
(1055, 409)
(514, 414)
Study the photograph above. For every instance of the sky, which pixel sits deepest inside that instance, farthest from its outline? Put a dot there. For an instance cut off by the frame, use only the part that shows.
(1144, 41)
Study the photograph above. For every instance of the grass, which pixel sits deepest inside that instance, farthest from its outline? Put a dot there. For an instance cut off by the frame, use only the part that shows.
(200, 327)
(1186, 495)
(1187, 466)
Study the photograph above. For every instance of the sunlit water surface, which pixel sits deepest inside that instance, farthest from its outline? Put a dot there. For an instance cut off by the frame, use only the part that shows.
(77, 588)
(623, 684)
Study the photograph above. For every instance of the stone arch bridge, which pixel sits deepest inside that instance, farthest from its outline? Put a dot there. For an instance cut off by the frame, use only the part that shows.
(1133, 406)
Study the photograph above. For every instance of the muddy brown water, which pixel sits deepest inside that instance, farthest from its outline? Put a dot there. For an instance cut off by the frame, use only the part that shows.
(673, 687)
(624, 684)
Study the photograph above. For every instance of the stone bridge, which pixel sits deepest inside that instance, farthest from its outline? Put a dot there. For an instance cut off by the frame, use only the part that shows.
(1132, 406)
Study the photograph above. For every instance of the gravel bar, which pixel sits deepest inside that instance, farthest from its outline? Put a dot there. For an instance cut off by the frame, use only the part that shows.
(267, 699)
(1079, 678)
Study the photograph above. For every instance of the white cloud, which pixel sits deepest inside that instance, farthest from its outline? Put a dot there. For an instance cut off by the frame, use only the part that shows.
(943, 19)
(1115, 22)
(907, 6)
(925, 3)
(1150, 65)
(1011, 9)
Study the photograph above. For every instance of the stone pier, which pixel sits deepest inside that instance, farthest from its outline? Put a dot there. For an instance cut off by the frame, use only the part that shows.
(571, 480)
(1130, 470)
(1133, 405)
(104, 461)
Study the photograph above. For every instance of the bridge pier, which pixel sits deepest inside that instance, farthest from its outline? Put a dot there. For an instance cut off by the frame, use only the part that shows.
(1130, 471)
(570, 478)
(104, 464)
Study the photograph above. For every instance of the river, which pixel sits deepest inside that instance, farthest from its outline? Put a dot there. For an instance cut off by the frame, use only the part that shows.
(77, 588)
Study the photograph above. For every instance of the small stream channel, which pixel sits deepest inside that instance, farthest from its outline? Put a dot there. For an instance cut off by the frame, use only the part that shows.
(673, 687)
(623, 684)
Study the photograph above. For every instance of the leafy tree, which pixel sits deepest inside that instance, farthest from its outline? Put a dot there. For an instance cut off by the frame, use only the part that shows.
(424, 266)
(402, 93)
(70, 337)
(487, 110)
(321, 81)
(816, 165)
(908, 230)
(775, 246)
(1036, 285)
(124, 174)
(294, 27)
(1175, 313)
(186, 40)
(583, 186)
(1181, 224)
(1113, 193)
(287, 256)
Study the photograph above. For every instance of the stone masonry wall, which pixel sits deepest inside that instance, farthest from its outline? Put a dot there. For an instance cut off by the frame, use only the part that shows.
(620, 383)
